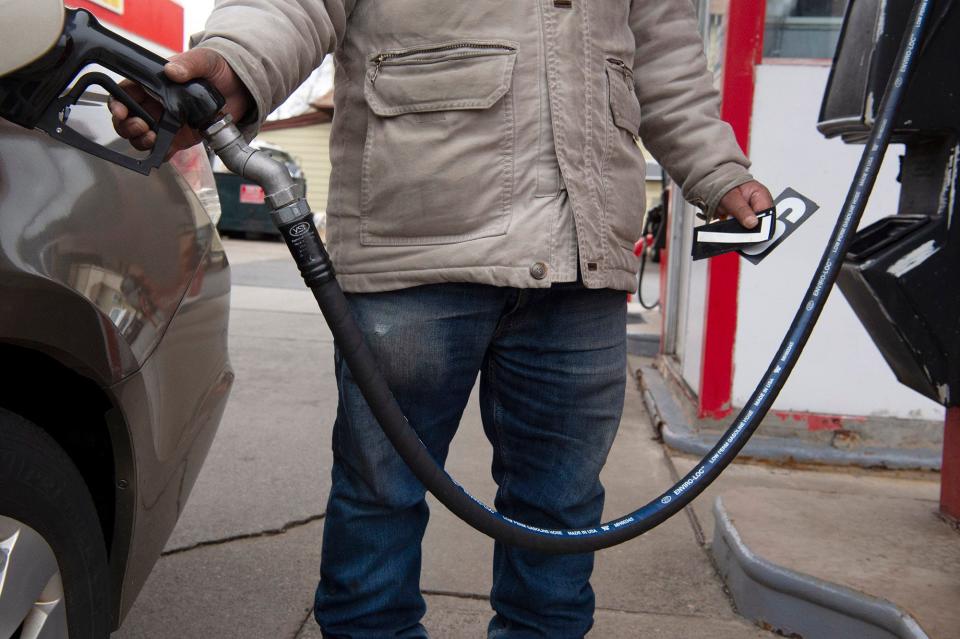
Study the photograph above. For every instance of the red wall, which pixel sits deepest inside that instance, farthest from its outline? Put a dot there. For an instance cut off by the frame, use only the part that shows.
(159, 21)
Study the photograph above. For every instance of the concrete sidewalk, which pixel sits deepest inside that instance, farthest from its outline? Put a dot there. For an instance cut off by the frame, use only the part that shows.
(244, 560)
(832, 551)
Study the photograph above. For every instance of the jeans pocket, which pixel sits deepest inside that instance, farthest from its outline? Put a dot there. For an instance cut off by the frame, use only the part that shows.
(438, 157)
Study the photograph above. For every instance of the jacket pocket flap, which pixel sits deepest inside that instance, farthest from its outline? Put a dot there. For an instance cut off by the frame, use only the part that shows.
(623, 99)
(442, 77)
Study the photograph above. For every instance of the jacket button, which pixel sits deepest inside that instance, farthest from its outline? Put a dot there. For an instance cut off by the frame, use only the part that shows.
(538, 271)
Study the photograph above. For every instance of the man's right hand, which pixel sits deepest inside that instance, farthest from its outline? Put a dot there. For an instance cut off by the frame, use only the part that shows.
(190, 65)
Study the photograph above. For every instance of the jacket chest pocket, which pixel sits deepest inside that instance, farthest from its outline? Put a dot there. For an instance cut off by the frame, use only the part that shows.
(438, 157)
(624, 169)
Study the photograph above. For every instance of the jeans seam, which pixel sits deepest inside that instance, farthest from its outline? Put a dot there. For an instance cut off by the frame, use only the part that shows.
(507, 317)
(496, 418)
(505, 482)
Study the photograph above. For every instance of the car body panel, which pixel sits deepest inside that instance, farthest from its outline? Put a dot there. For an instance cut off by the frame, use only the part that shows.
(123, 279)
(167, 460)
(64, 217)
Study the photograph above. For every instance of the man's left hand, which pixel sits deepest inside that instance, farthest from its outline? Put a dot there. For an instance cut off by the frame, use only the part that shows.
(744, 201)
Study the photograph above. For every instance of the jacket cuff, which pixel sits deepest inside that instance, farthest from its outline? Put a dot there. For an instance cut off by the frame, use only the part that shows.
(245, 66)
(708, 193)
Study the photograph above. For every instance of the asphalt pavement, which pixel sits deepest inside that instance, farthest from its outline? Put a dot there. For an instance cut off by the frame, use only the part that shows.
(244, 559)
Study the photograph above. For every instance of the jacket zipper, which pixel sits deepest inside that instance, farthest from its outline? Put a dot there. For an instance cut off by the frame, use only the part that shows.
(383, 57)
(620, 63)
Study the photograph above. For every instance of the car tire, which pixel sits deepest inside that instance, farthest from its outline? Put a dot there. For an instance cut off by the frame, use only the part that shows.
(42, 488)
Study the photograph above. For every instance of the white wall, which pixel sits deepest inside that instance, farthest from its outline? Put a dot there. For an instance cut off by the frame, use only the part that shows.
(841, 371)
(195, 13)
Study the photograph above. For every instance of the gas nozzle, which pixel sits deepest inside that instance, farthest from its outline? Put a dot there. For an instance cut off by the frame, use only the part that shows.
(42, 94)
(289, 209)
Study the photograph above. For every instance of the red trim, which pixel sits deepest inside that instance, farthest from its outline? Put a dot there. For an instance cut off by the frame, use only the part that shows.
(160, 21)
(744, 49)
(719, 337)
(950, 471)
(818, 421)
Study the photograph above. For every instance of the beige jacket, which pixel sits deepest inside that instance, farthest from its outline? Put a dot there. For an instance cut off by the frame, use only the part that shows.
(469, 137)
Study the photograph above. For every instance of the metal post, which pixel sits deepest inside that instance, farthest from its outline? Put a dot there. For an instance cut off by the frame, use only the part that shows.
(950, 471)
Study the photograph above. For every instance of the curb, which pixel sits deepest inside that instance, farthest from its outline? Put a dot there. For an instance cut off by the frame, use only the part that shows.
(796, 604)
(677, 433)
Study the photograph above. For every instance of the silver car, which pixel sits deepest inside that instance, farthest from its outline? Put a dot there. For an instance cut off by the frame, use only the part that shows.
(114, 301)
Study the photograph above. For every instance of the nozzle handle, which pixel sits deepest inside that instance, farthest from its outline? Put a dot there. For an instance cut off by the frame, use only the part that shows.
(195, 103)
(43, 94)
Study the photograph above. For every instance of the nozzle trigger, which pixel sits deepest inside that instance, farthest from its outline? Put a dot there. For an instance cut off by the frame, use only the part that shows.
(54, 122)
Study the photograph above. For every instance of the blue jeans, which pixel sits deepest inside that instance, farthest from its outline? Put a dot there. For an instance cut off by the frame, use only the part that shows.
(552, 371)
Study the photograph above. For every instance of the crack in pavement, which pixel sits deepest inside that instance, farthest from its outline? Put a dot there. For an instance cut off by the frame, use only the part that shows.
(700, 537)
(273, 532)
(455, 595)
(303, 625)
(654, 423)
(299, 340)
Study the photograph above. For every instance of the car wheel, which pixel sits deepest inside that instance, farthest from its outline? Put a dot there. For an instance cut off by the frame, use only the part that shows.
(54, 577)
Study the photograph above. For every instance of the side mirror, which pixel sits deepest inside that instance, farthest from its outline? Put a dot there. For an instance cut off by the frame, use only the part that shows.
(28, 29)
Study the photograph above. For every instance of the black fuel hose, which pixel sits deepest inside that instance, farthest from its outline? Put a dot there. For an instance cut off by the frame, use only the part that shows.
(357, 356)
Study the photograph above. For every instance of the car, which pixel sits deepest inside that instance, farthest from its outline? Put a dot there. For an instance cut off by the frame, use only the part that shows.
(243, 204)
(114, 308)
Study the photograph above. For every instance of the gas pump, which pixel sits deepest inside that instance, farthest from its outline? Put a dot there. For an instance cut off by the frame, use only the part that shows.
(902, 274)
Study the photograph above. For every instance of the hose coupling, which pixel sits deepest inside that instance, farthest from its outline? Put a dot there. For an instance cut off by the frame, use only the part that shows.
(296, 225)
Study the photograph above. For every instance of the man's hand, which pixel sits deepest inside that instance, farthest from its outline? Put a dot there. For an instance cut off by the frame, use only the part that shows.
(193, 64)
(744, 201)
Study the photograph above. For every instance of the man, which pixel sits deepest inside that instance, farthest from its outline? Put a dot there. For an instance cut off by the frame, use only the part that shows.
(486, 195)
